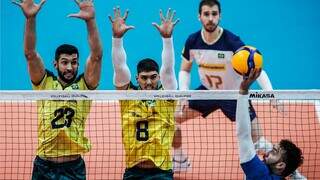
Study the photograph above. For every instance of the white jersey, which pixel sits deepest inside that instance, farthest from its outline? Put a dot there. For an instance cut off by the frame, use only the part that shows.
(214, 60)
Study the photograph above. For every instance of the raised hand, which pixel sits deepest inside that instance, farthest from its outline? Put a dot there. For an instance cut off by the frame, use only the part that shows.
(167, 24)
(29, 8)
(247, 81)
(119, 27)
(86, 10)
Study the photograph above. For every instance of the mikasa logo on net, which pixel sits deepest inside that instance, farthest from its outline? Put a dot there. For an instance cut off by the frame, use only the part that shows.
(258, 95)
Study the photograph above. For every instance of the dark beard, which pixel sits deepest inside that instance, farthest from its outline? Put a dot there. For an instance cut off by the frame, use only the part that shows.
(67, 81)
(211, 31)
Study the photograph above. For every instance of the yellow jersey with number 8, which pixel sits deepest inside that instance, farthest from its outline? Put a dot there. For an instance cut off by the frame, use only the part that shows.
(147, 131)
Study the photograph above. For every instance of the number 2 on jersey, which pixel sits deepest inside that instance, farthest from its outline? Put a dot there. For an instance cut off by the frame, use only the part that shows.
(142, 133)
(68, 113)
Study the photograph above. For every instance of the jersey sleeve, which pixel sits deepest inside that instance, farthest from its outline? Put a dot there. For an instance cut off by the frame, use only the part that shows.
(186, 49)
(83, 84)
(235, 42)
(256, 169)
(131, 86)
(44, 82)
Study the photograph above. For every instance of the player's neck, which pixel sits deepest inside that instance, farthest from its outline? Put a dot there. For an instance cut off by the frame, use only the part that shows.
(211, 37)
(63, 83)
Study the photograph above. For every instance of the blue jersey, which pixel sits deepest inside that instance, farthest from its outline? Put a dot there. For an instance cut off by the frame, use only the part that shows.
(214, 60)
(256, 169)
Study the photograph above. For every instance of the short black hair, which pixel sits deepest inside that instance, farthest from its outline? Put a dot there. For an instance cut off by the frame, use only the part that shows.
(66, 49)
(147, 65)
(292, 157)
(209, 3)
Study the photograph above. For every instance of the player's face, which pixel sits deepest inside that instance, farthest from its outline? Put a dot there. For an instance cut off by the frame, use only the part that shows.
(210, 17)
(273, 157)
(148, 80)
(67, 67)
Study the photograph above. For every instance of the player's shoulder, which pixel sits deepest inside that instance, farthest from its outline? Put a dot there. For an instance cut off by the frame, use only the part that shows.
(232, 40)
(230, 36)
(49, 76)
(131, 86)
(80, 83)
(79, 78)
(194, 36)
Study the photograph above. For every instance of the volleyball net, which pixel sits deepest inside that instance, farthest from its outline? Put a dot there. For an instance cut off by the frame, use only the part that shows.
(210, 142)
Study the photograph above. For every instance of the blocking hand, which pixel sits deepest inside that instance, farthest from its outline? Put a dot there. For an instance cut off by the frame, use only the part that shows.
(119, 27)
(29, 8)
(167, 24)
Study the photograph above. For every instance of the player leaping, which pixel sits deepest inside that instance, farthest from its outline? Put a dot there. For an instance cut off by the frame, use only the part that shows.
(61, 137)
(147, 125)
(278, 163)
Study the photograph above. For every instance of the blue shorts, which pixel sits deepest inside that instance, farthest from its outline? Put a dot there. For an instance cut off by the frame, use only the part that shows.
(147, 174)
(228, 107)
(47, 170)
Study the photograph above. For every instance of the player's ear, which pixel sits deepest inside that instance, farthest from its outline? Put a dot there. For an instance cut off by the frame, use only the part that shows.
(281, 166)
(55, 64)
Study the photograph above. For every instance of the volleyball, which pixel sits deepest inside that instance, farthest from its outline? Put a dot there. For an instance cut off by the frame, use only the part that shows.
(245, 59)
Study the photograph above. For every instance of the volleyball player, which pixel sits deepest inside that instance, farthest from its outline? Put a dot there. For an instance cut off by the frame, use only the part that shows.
(212, 48)
(61, 139)
(147, 125)
(278, 163)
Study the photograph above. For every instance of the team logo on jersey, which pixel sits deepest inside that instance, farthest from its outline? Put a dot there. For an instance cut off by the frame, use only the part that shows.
(75, 86)
(150, 103)
(221, 55)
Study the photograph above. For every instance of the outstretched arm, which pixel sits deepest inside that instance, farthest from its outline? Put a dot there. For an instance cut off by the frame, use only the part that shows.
(167, 74)
(121, 76)
(243, 124)
(35, 65)
(93, 66)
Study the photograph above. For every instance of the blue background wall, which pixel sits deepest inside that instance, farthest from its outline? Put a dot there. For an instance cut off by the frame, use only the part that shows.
(287, 32)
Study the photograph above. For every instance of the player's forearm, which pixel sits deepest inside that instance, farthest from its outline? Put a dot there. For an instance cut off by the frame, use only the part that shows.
(35, 65)
(121, 74)
(94, 40)
(30, 39)
(184, 80)
(243, 129)
(264, 81)
(167, 75)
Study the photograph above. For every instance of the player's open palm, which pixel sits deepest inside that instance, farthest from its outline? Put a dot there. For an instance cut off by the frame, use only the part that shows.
(167, 23)
(86, 10)
(29, 8)
(119, 27)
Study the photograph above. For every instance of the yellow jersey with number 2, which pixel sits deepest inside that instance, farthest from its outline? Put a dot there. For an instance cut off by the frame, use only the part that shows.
(61, 123)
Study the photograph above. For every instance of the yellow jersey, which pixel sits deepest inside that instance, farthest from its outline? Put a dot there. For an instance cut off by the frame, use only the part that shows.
(147, 130)
(61, 124)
